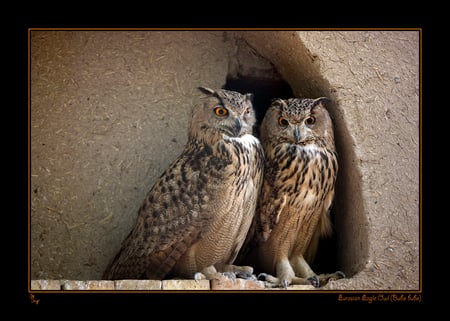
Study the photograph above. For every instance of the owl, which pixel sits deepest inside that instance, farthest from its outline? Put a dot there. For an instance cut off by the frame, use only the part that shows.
(195, 218)
(298, 189)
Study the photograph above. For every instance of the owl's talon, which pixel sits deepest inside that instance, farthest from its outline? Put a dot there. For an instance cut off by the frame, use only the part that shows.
(229, 275)
(325, 278)
(250, 278)
(243, 275)
(199, 276)
(262, 276)
(314, 280)
(243, 272)
(340, 275)
(285, 283)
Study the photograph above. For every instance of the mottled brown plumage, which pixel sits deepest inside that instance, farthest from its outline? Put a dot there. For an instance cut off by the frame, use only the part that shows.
(194, 220)
(298, 189)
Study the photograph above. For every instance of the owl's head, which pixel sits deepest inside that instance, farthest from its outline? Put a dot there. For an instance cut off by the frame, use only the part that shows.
(298, 121)
(224, 112)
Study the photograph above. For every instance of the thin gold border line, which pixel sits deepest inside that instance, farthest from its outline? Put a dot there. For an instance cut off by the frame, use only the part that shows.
(29, 161)
(420, 163)
(224, 29)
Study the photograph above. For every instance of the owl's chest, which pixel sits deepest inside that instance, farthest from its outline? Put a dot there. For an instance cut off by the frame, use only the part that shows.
(302, 173)
(231, 176)
(305, 180)
(241, 159)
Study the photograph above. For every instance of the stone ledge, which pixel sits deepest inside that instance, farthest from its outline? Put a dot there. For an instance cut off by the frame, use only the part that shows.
(237, 284)
(185, 285)
(156, 285)
(138, 285)
(45, 285)
(87, 285)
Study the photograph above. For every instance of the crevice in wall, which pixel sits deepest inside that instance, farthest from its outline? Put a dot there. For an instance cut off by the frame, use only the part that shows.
(264, 91)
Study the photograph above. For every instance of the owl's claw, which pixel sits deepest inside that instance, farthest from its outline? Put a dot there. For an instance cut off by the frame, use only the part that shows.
(250, 278)
(244, 275)
(262, 276)
(325, 278)
(273, 282)
(314, 280)
(229, 275)
(199, 276)
(243, 272)
(340, 275)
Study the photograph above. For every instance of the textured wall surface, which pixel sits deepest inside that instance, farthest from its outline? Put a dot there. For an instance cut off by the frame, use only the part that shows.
(109, 112)
(375, 80)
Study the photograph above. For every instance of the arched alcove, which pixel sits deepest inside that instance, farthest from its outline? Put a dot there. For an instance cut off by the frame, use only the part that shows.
(278, 65)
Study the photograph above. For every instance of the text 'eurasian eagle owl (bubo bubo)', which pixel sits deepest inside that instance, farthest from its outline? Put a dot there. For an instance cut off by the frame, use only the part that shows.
(298, 189)
(195, 218)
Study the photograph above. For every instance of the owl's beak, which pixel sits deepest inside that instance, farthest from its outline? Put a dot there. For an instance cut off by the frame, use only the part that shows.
(297, 134)
(233, 129)
(236, 128)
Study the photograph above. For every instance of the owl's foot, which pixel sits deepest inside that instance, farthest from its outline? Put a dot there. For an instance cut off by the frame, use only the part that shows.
(229, 271)
(273, 282)
(218, 275)
(199, 276)
(319, 280)
(208, 273)
(242, 272)
(325, 278)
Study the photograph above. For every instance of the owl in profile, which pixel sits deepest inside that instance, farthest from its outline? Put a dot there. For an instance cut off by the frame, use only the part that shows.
(195, 218)
(298, 189)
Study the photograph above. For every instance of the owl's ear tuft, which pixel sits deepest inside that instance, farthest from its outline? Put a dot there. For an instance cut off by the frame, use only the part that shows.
(249, 97)
(322, 101)
(276, 102)
(206, 90)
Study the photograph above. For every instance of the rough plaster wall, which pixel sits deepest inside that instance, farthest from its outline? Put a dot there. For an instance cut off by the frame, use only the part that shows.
(376, 76)
(109, 112)
(103, 128)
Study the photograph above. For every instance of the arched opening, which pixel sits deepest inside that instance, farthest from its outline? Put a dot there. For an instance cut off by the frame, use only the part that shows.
(264, 91)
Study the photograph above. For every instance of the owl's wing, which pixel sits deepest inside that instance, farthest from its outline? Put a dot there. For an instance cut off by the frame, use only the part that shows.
(269, 211)
(170, 220)
(324, 229)
(267, 214)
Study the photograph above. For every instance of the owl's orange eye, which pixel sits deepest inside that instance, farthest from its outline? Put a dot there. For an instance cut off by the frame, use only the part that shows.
(220, 111)
(310, 120)
(283, 122)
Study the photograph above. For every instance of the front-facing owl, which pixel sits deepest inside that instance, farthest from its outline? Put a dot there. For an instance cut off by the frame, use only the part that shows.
(195, 218)
(298, 189)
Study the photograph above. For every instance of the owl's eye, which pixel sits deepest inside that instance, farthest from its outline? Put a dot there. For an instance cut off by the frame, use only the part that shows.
(283, 122)
(310, 120)
(220, 111)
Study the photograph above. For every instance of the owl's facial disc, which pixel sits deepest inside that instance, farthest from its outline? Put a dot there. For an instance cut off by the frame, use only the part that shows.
(227, 123)
(297, 132)
(232, 127)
